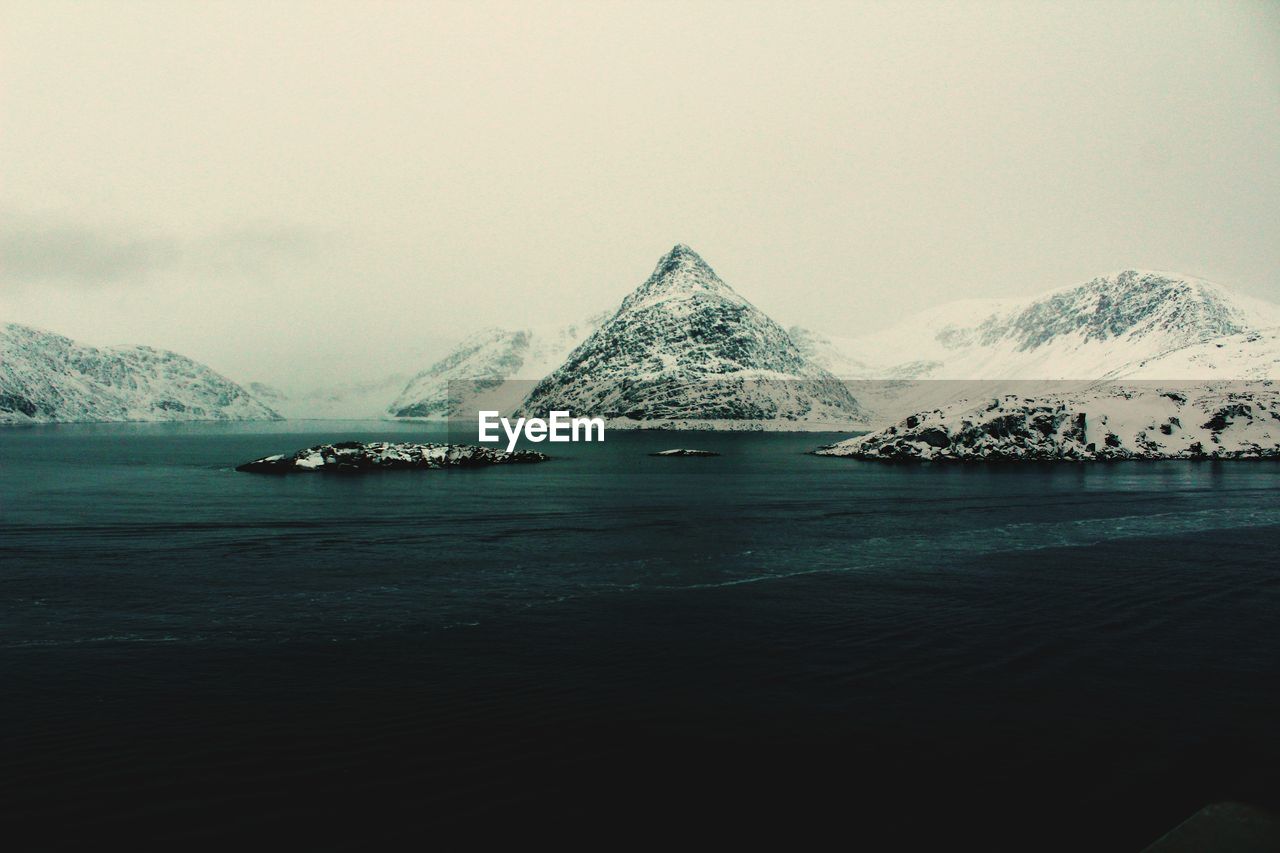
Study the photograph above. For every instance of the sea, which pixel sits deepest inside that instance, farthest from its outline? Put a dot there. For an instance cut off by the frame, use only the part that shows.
(608, 648)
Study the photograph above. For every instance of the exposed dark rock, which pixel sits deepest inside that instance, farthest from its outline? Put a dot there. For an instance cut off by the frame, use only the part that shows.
(1223, 417)
(17, 403)
(934, 437)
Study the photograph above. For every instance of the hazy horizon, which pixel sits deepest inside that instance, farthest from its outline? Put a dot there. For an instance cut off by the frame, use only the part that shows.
(294, 192)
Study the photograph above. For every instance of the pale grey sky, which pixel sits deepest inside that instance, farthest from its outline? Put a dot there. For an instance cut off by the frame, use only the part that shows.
(287, 189)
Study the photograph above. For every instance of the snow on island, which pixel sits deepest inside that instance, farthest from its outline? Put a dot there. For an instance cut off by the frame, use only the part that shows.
(681, 451)
(1109, 423)
(351, 456)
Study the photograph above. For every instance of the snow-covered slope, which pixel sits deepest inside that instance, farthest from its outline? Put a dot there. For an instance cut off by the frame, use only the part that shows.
(1249, 355)
(685, 349)
(47, 378)
(1217, 420)
(494, 367)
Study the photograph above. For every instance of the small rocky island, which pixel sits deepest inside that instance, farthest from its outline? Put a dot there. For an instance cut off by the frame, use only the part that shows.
(1100, 424)
(680, 451)
(355, 456)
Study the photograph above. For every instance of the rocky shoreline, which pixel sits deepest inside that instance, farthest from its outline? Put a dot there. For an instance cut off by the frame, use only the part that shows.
(1111, 424)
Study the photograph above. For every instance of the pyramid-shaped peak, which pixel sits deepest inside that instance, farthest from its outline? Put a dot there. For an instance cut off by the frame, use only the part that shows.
(681, 250)
(680, 273)
(681, 257)
(683, 347)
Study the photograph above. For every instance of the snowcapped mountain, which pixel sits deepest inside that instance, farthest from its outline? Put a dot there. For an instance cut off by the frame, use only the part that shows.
(47, 378)
(481, 367)
(1130, 324)
(1088, 331)
(1226, 420)
(685, 349)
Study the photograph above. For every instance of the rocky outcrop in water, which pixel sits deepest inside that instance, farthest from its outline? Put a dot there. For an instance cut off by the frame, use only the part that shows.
(682, 451)
(355, 456)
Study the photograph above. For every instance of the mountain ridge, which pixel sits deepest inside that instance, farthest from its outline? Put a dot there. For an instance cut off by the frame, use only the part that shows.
(46, 377)
(1082, 331)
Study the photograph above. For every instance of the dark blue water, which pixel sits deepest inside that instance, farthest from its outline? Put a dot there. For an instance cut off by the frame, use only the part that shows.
(767, 642)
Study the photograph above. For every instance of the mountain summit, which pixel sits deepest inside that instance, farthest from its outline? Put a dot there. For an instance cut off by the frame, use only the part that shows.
(680, 273)
(1133, 304)
(684, 347)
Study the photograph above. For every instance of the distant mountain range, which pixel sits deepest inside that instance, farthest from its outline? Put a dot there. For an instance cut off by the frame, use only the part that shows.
(684, 349)
(46, 378)
(1132, 324)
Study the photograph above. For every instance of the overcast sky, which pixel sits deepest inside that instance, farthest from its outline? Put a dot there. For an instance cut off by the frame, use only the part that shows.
(288, 190)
